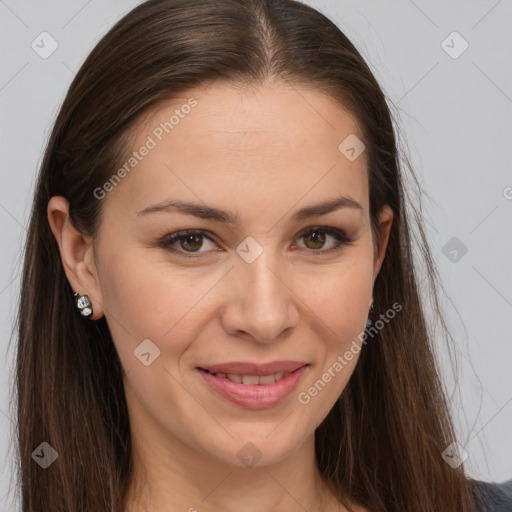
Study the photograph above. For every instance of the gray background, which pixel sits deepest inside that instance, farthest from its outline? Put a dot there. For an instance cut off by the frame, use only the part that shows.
(455, 116)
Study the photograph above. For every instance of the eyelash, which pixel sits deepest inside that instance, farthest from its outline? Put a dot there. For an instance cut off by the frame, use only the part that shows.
(168, 240)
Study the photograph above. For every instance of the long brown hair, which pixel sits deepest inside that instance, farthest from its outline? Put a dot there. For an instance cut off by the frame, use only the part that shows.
(381, 443)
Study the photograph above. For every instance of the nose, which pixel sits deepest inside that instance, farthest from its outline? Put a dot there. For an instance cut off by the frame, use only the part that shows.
(260, 302)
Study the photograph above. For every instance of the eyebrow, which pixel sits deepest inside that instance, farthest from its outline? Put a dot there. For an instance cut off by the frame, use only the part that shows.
(216, 214)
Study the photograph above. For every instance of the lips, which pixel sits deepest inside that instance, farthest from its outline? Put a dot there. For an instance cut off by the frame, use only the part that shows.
(254, 386)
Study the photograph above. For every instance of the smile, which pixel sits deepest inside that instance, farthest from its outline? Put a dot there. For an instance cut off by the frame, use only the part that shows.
(254, 387)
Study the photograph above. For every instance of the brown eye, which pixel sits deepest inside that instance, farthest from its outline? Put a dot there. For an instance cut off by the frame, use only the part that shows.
(191, 243)
(315, 239)
(187, 243)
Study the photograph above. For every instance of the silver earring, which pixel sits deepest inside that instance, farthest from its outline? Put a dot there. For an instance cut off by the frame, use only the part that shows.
(83, 305)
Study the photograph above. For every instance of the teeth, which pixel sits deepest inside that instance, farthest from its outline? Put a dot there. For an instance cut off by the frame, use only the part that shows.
(252, 380)
(267, 379)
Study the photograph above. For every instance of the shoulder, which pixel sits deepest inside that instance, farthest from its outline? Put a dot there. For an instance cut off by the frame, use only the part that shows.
(491, 496)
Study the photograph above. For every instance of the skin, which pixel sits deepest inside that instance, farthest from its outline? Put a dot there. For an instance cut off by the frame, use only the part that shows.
(263, 153)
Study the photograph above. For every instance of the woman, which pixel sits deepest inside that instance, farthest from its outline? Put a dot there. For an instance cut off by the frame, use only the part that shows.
(219, 308)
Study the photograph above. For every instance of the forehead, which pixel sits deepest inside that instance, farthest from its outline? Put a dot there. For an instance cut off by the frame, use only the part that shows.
(224, 144)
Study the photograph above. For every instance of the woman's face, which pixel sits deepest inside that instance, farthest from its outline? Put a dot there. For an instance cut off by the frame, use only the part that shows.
(262, 289)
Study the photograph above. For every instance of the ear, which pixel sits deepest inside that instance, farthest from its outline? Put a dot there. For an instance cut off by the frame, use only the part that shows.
(385, 222)
(76, 252)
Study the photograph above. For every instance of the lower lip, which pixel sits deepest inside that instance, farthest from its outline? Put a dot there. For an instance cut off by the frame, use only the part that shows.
(254, 397)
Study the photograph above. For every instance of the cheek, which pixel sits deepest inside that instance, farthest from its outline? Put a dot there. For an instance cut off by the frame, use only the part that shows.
(341, 297)
(340, 301)
(342, 306)
(146, 299)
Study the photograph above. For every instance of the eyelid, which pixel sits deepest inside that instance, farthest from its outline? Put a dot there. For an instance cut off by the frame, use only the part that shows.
(341, 237)
(167, 240)
(339, 234)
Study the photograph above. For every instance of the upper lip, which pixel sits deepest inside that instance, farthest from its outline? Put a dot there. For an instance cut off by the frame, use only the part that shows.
(247, 368)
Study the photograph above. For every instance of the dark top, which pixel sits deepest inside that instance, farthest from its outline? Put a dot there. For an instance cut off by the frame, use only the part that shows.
(493, 497)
